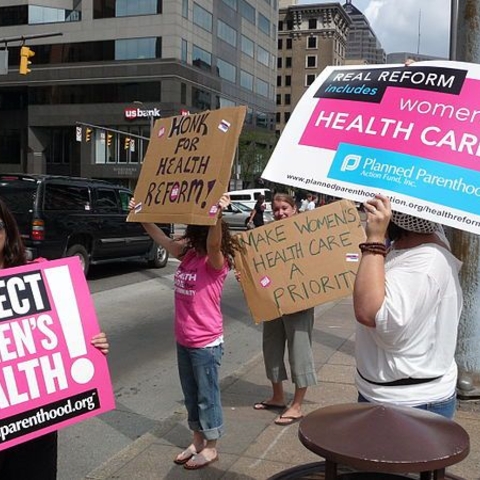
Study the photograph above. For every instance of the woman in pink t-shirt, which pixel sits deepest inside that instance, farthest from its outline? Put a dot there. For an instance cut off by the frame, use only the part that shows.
(206, 255)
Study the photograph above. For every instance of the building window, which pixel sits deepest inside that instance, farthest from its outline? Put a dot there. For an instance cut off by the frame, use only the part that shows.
(185, 8)
(309, 79)
(280, 25)
(289, 44)
(279, 62)
(263, 24)
(226, 70)
(279, 43)
(288, 99)
(184, 50)
(231, 3)
(312, 41)
(278, 117)
(286, 116)
(279, 80)
(225, 102)
(288, 80)
(247, 11)
(201, 99)
(289, 24)
(288, 62)
(248, 46)
(312, 24)
(311, 61)
(227, 33)
(136, 48)
(279, 99)
(10, 146)
(38, 15)
(201, 58)
(126, 8)
(202, 17)
(183, 93)
(263, 56)
(246, 80)
(261, 87)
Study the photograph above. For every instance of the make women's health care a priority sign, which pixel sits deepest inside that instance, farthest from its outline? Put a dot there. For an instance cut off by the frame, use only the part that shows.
(412, 133)
(50, 374)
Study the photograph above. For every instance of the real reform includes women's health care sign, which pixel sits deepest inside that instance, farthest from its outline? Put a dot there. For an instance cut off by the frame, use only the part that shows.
(411, 133)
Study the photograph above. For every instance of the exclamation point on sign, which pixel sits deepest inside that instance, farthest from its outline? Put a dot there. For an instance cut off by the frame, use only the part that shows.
(65, 302)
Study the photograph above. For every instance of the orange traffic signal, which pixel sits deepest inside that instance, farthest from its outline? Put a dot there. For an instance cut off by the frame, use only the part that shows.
(88, 134)
(25, 54)
(127, 143)
(109, 139)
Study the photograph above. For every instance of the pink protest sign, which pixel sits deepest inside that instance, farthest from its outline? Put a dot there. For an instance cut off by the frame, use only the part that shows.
(50, 374)
(412, 133)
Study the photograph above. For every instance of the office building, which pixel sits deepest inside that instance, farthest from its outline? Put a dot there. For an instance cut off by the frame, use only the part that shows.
(363, 46)
(310, 38)
(120, 64)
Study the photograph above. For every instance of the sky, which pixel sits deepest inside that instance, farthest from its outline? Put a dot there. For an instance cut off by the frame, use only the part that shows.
(396, 24)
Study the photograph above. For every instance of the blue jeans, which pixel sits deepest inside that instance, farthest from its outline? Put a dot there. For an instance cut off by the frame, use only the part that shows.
(198, 370)
(445, 408)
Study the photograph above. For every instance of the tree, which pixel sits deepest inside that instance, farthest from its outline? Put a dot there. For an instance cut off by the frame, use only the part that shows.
(254, 150)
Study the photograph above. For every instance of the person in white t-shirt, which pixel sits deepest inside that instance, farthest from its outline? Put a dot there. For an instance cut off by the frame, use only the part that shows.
(311, 202)
(407, 304)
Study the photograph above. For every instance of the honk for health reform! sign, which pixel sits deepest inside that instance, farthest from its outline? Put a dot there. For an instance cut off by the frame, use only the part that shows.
(306, 260)
(411, 133)
(50, 374)
(187, 167)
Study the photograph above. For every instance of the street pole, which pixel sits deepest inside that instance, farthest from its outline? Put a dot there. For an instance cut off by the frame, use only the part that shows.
(465, 46)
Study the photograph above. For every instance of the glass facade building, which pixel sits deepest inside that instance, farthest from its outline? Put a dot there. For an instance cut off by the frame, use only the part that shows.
(116, 67)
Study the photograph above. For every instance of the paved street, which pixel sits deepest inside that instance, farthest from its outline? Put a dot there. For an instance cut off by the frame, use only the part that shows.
(135, 307)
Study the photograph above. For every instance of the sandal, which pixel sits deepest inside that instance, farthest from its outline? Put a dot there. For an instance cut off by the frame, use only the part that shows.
(268, 406)
(185, 456)
(288, 420)
(199, 461)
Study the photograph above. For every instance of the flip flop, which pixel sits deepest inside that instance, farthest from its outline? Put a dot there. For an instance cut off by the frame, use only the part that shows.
(289, 420)
(203, 462)
(184, 456)
(268, 406)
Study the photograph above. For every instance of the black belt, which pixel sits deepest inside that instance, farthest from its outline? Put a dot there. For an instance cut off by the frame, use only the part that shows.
(402, 381)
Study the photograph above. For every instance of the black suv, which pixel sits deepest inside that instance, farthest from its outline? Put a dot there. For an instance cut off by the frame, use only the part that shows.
(66, 216)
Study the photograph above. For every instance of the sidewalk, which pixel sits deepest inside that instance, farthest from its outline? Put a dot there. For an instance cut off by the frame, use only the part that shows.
(254, 447)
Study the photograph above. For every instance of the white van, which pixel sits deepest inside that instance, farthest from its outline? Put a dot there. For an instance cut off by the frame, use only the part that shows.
(249, 197)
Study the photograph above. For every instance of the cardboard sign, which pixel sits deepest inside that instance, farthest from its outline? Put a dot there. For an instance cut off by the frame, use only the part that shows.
(305, 260)
(187, 167)
(50, 374)
(411, 133)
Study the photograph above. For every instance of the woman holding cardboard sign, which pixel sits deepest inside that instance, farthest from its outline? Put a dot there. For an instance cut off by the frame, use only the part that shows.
(295, 332)
(37, 458)
(206, 255)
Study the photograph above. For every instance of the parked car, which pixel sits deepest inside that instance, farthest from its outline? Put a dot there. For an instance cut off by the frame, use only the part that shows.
(249, 197)
(65, 216)
(237, 215)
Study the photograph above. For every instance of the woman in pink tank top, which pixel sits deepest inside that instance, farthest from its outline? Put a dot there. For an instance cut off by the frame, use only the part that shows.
(206, 254)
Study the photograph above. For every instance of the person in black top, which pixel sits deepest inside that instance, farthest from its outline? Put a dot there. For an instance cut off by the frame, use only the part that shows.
(257, 213)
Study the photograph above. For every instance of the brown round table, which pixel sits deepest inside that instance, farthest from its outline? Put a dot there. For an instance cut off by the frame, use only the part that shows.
(378, 438)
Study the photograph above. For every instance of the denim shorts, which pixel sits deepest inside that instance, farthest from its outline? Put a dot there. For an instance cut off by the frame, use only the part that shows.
(445, 408)
(199, 377)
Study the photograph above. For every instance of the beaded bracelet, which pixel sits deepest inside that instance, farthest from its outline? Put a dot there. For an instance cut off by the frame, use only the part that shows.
(374, 247)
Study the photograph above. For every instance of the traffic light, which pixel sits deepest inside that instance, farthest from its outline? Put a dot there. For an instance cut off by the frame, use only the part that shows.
(127, 143)
(88, 134)
(25, 54)
(109, 139)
